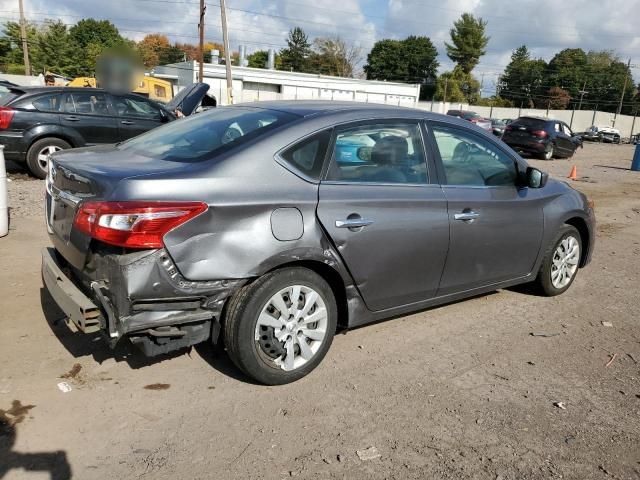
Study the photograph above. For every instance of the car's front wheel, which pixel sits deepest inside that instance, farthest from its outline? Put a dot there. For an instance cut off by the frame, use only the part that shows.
(560, 266)
(38, 154)
(279, 328)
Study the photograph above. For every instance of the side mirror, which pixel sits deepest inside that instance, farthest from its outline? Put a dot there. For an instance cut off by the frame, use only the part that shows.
(536, 178)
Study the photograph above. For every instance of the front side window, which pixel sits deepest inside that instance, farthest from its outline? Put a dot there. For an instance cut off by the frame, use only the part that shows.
(471, 160)
(135, 107)
(197, 137)
(91, 103)
(566, 130)
(379, 153)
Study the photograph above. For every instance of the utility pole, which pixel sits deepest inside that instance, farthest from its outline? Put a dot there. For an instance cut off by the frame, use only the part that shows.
(23, 34)
(227, 51)
(624, 88)
(203, 8)
(582, 94)
(444, 100)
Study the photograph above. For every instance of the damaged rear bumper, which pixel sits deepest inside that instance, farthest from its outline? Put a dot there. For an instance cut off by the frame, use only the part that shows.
(140, 296)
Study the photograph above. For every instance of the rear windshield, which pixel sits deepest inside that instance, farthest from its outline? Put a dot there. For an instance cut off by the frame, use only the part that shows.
(529, 122)
(470, 115)
(196, 137)
(6, 95)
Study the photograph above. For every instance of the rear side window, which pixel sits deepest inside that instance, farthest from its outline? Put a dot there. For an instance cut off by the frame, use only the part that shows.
(199, 137)
(47, 103)
(308, 155)
(7, 96)
(92, 103)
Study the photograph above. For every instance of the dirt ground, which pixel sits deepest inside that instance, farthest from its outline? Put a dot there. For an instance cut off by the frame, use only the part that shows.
(464, 391)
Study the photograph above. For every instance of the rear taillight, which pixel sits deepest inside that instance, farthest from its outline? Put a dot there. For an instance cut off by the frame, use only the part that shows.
(539, 133)
(134, 224)
(6, 115)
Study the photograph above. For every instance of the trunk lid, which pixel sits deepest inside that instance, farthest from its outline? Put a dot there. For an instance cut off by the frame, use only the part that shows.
(188, 99)
(89, 174)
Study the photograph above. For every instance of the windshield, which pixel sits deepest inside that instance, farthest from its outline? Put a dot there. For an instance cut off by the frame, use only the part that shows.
(197, 137)
(529, 122)
(470, 115)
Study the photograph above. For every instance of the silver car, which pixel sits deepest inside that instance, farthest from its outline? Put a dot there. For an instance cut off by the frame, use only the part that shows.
(265, 226)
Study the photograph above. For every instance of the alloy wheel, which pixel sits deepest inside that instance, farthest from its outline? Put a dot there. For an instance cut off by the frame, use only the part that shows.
(292, 326)
(43, 155)
(565, 262)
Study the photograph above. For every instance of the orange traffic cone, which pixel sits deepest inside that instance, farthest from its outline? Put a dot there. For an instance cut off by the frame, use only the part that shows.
(573, 175)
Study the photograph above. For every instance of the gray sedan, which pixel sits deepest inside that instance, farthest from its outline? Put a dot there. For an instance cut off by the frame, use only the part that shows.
(265, 226)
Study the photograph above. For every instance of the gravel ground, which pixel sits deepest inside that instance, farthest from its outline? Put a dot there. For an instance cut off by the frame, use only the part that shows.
(464, 391)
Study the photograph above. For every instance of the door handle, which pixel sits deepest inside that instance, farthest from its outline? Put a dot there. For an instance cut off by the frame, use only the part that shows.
(466, 216)
(353, 223)
(127, 122)
(72, 118)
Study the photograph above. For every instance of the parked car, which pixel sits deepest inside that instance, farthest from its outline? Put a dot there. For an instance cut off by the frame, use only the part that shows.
(239, 225)
(38, 121)
(497, 127)
(601, 134)
(542, 137)
(472, 117)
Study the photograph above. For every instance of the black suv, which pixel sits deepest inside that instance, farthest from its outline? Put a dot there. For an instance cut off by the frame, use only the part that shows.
(37, 121)
(541, 137)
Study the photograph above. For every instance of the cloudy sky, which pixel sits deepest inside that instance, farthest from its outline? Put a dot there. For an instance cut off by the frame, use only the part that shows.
(545, 26)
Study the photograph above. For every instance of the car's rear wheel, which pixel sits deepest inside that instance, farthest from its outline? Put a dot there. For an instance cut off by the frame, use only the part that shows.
(561, 263)
(38, 154)
(279, 328)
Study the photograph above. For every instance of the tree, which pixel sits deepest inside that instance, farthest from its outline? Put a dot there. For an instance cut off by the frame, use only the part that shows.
(523, 78)
(413, 59)
(55, 51)
(258, 59)
(151, 47)
(11, 48)
(332, 56)
(558, 98)
(296, 56)
(468, 41)
(92, 38)
(459, 85)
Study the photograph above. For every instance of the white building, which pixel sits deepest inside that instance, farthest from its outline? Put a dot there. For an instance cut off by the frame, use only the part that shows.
(254, 84)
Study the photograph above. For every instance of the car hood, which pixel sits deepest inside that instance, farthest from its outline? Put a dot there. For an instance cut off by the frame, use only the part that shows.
(188, 98)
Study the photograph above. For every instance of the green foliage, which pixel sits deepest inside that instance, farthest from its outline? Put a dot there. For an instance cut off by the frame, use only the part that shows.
(459, 85)
(468, 42)
(296, 56)
(413, 59)
(494, 101)
(258, 59)
(91, 38)
(530, 83)
(54, 51)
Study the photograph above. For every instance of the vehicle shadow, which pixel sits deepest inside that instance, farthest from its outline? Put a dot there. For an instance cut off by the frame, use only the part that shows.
(80, 344)
(54, 463)
(614, 168)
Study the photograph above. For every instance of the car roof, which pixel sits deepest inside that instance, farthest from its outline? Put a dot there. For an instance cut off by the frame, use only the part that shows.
(535, 117)
(305, 108)
(54, 89)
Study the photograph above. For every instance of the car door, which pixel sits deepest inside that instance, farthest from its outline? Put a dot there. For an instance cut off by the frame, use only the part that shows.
(386, 214)
(574, 141)
(563, 141)
(136, 115)
(495, 226)
(88, 113)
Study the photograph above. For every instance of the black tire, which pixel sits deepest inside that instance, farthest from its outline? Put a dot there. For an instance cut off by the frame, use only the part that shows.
(35, 165)
(544, 281)
(548, 153)
(242, 316)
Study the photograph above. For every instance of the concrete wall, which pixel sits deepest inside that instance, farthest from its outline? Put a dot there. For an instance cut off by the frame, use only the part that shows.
(579, 120)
